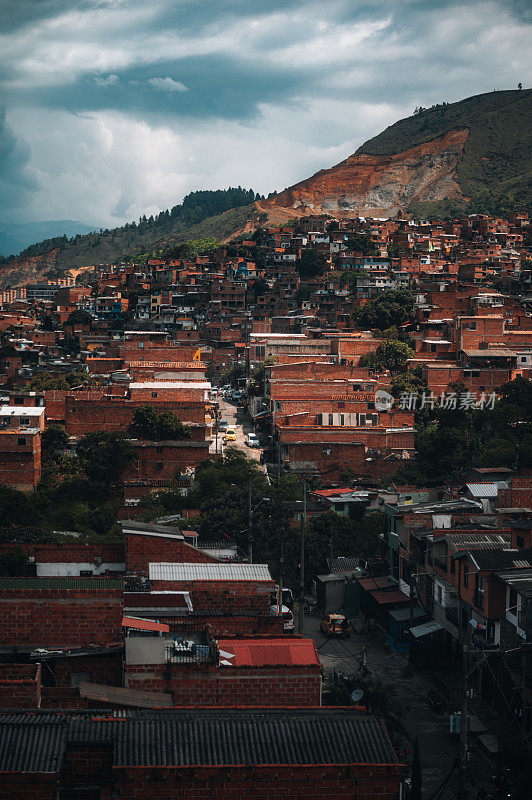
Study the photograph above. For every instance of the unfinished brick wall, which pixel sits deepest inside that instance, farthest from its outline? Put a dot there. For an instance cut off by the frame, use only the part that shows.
(210, 685)
(51, 617)
(85, 415)
(163, 461)
(143, 550)
(230, 596)
(371, 782)
(20, 685)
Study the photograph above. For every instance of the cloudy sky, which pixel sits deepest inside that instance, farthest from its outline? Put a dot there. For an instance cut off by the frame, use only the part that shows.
(115, 108)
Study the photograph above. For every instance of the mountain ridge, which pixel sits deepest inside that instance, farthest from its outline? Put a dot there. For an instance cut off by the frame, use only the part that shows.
(472, 156)
(491, 171)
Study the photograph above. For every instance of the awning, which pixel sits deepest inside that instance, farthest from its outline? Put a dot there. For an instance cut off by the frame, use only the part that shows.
(384, 598)
(132, 698)
(144, 624)
(425, 629)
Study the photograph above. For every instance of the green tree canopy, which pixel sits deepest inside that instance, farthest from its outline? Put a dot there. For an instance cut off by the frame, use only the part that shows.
(54, 440)
(14, 563)
(391, 307)
(79, 317)
(311, 264)
(390, 354)
(104, 456)
(148, 423)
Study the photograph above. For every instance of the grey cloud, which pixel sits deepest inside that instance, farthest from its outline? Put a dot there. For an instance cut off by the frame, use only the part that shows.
(16, 184)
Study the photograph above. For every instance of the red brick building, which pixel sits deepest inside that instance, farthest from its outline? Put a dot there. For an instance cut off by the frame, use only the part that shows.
(224, 587)
(62, 612)
(282, 671)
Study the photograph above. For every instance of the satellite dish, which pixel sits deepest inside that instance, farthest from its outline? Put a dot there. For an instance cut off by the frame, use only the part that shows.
(357, 695)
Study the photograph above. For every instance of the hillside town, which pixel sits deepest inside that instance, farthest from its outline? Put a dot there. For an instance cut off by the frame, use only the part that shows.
(262, 498)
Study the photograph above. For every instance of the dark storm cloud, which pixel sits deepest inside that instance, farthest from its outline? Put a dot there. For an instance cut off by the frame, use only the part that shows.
(15, 183)
(200, 86)
(201, 93)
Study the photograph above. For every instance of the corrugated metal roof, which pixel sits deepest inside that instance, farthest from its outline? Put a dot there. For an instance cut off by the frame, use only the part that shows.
(269, 652)
(36, 742)
(164, 571)
(35, 747)
(144, 624)
(476, 540)
(483, 489)
(60, 583)
(499, 559)
(250, 738)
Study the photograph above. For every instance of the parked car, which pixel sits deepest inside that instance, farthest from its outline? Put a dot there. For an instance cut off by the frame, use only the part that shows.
(335, 625)
(238, 396)
(230, 435)
(288, 617)
(252, 440)
(222, 425)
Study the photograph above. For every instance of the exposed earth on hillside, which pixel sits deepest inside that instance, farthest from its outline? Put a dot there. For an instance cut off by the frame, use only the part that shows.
(380, 185)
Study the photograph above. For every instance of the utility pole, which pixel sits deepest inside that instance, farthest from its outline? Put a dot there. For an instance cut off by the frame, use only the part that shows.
(250, 539)
(302, 558)
(281, 577)
(462, 775)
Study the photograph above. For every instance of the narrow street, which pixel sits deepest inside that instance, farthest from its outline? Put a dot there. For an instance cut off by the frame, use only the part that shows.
(236, 417)
(438, 748)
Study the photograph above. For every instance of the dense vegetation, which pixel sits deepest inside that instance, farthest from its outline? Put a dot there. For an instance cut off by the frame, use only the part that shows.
(149, 234)
(494, 170)
(221, 493)
(450, 441)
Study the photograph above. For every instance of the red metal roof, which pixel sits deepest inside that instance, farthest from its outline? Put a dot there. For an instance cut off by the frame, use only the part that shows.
(385, 598)
(268, 652)
(144, 624)
(377, 583)
(333, 492)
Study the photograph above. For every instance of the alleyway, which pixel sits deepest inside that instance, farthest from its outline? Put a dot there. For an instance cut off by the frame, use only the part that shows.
(438, 749)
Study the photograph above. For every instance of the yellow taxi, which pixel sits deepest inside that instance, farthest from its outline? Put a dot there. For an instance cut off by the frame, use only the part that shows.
(335, 625)
(230, 435)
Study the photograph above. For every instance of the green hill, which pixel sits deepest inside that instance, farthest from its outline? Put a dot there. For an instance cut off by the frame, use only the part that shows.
(495, 168)
(205, 214)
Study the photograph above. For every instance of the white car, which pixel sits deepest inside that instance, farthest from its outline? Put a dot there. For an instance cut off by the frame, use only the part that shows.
(252, 440)
(288, 617)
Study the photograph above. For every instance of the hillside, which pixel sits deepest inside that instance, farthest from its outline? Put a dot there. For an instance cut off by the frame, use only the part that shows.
(465, 157)
(473, 155)
(206, 214)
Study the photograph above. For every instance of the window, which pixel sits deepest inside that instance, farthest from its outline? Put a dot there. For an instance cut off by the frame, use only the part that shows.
(512, 603)
(331, 419)
(523, 359)
(433, 348)
(158, 465)
(24, 420)
(19, 401)
(78, 677)
(472, 326)
(21, 441)
(520, 542)
(154, 394)
(140, 345)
